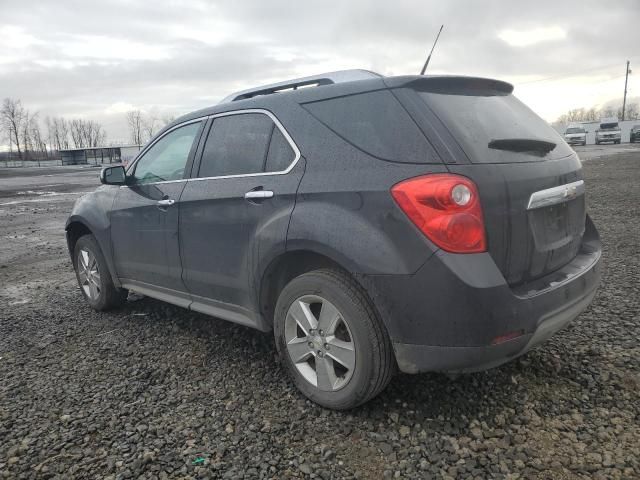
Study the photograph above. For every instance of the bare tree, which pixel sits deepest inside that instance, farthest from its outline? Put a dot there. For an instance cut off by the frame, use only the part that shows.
(607, 111)
(151, 125)
(86, 133)
(631, 112)
(38, 143)
(12, 118)
(58, 133)
(136, 126)
(75, 129)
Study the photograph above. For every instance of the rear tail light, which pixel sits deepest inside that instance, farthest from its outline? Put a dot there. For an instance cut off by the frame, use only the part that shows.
(446, 208)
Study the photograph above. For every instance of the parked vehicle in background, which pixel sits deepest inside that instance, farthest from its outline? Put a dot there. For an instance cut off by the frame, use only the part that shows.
(575, 136)
(370, 223)
(608, 131)
(635, 134)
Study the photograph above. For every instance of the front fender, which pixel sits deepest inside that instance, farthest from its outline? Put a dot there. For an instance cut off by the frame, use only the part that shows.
(93, 211)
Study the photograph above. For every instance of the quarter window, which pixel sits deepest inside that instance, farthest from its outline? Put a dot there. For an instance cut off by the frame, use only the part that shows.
(245, 143)
(167, 158)
(280, 153)
(376, 123)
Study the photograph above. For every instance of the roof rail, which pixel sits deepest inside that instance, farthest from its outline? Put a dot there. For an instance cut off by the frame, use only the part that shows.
(314, 80)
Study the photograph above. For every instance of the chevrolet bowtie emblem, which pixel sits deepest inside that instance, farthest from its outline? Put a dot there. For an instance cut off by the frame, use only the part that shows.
(570, 192)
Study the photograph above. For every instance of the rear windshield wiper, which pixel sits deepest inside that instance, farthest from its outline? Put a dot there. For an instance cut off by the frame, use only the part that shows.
(526, 145)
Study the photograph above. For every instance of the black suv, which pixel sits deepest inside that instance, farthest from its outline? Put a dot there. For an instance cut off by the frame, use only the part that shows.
(634, 135)
(371, 223)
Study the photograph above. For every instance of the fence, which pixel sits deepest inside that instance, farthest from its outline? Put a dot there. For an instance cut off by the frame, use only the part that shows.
(53, 162)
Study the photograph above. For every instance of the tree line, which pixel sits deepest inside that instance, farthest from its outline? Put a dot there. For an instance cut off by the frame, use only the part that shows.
(143, 126)
(593, 114)
(22, 131)
(30, 137)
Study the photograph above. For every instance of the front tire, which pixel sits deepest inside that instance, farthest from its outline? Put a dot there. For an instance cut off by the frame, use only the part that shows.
(331, 340)
(93, 276)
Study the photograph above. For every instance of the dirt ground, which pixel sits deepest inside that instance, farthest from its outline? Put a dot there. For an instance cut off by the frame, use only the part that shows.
(153, 391)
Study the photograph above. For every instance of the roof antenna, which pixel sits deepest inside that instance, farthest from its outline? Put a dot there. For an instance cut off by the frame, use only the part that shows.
(426, 64)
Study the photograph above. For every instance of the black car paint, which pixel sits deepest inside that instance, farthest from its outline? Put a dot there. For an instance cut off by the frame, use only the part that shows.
(335, 202)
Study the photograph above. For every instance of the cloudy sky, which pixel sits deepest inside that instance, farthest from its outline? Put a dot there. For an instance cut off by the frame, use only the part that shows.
(99, 59)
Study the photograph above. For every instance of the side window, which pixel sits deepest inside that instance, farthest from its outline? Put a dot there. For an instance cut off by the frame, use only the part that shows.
(245, 143)
(280, 153)
(167, 158)
(236, 145)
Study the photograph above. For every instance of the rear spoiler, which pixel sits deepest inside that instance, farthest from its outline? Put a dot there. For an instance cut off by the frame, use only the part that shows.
(451, 85)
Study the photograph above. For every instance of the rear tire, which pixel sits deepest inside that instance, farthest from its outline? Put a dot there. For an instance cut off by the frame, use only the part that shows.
(93, 276)
(331, 340)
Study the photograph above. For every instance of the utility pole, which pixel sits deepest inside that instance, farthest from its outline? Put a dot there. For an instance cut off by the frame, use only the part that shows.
(624, 100)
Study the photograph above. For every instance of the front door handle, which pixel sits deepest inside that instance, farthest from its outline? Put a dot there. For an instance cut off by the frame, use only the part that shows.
(258, 194)
(166, 202)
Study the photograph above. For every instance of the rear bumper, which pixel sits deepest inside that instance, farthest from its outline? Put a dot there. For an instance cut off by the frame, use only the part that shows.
(413, 358)
(449, 315)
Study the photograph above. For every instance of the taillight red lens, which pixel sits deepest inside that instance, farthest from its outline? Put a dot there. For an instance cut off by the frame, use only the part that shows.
(446, 208)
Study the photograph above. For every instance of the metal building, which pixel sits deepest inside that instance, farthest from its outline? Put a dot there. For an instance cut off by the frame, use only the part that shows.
(100, 155)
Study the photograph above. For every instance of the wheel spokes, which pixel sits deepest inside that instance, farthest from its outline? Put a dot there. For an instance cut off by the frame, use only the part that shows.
(325, 374)
(299, 350)
(89, 274)
(342, 352)
(329, 317)
(303, 316)
(84, 259)
(319, 343)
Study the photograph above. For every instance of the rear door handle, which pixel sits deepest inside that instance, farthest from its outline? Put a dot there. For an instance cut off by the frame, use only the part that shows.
(167, 202)
(258, 194)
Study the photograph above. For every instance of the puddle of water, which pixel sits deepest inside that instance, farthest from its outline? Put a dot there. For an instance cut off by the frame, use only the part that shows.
(35, 192)
(43, 198)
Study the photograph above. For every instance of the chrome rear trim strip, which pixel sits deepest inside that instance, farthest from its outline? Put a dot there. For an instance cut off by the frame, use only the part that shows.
(556, 195)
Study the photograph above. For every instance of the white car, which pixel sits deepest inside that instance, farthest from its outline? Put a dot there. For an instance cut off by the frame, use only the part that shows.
(575, 136)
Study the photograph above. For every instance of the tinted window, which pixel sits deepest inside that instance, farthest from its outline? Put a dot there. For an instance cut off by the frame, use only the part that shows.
(166, 159)
(237, 144)
(280, 153)
(376, 123)
(476, 120)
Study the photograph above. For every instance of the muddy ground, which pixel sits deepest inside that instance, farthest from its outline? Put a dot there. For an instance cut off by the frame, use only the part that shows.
(154, 391)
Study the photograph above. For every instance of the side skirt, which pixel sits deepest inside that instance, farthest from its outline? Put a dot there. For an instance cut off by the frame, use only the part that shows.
(231, 313)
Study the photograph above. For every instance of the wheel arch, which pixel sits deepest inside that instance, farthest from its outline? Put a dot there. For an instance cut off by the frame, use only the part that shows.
(284, 268)
(77, 227)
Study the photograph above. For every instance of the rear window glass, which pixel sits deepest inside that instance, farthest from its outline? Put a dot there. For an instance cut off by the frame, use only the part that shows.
(377, 124)
(477, 120)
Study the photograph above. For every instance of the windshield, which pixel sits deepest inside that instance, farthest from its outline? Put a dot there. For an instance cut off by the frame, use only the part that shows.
(575, 130)
(475, 121)
(608, 126)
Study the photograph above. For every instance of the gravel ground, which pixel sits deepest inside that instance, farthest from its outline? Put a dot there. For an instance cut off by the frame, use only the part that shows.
(153, 391)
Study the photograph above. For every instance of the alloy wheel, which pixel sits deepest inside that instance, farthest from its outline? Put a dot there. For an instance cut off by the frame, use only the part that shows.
(319, 342)
(89, 274)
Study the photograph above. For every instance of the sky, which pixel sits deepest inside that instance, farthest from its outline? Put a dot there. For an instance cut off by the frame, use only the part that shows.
(97, 60)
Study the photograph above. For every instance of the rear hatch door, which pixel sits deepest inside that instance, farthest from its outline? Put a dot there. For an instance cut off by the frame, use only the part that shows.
(529, 179)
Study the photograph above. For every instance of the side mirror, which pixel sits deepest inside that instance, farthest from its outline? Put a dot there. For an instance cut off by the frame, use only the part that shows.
(113, 175)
